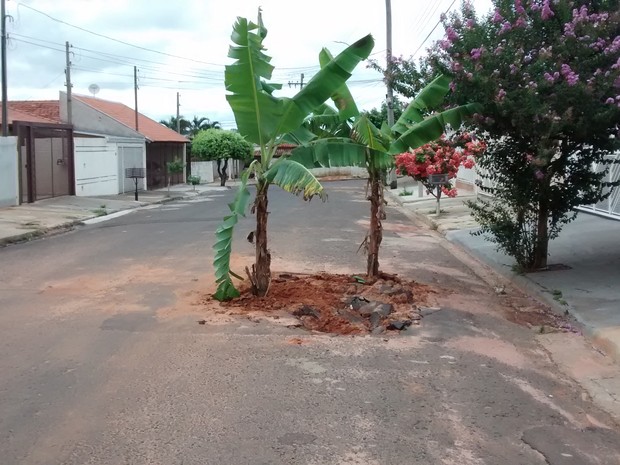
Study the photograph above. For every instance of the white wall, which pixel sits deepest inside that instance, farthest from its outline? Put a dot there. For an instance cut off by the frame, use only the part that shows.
(9, 172)
(353, 171)
(204, 169)
(96, 167)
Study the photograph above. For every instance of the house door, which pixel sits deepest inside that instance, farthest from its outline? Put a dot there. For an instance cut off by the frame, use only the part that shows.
(46, 161)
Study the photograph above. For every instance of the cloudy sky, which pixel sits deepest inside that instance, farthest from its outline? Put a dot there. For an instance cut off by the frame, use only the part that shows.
(181, 46)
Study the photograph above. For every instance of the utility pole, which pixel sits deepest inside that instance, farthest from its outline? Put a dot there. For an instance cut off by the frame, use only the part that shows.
(300, 83)
(135, 92)
(5, 103)
(178, 114)
(388, 74)
(68, 84)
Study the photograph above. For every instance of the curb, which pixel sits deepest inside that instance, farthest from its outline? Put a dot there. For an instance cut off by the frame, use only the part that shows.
(595, 336)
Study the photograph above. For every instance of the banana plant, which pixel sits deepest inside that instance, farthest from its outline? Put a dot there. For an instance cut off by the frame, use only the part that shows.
(267, 120)
(373, 148)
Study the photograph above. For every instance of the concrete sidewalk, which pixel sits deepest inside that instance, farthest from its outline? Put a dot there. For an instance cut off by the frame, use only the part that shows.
(589, 247)
(27, 221)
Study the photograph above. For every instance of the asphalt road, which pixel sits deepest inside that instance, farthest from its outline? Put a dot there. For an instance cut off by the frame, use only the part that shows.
(102, 361)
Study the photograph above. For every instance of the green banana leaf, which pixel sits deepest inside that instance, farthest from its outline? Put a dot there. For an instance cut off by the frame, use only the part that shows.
(260, 116)
(428, 98)
(366, 133)
(295, 178)
(432, 128)
(337, 152)
(223, 242)
(342, 98)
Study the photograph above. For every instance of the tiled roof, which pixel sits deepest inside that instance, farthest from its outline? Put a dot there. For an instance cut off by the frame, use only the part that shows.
(30, 112)
(149, 128)
(47, 109)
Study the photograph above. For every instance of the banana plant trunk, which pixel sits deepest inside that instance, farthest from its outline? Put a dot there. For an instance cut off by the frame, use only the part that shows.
(375, 235)
(262, 269)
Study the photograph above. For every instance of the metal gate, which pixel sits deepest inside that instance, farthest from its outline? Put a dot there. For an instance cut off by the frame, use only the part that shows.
(46, 160)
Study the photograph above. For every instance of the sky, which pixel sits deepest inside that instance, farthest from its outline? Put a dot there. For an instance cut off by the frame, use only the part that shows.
(182, 45)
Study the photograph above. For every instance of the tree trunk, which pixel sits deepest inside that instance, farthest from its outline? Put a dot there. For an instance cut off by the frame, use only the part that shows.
(262, 268)
(222, 171)
(541, 248)
(375, 234)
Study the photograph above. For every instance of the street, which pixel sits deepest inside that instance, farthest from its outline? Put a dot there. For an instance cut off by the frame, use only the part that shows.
(102, 360)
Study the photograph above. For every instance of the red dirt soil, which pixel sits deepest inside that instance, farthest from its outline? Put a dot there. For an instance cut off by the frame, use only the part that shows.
(326, 295)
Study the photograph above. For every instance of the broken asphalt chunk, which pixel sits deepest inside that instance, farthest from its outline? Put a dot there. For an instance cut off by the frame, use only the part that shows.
(399, 324)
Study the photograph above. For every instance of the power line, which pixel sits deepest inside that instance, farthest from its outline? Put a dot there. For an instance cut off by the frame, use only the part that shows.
(117, 40)
(433, 30)
(213, 77)
(141, 47)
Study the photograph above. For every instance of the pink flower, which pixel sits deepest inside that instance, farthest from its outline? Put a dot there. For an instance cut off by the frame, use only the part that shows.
(549, 77)
(497, 17)
(505, 27)
(469, 24)
(546, 11)
(520, 22)
(572, 79)
(610, 101)
(539, 175)
(500, 95)
(449, 192)
(519, 7)
(451, 35)
(476, 53)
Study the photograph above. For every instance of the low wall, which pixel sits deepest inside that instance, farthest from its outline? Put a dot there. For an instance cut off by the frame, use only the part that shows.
(204, 169)
(9, 172)
(350, 171)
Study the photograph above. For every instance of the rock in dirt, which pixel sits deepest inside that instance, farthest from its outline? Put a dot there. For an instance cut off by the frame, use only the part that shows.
(378, 330)
(384, 309)
(352, 317)
(376, 320)
(399, 324)
(376, 307)
(367, 309)
(307, 310)
(357, 302)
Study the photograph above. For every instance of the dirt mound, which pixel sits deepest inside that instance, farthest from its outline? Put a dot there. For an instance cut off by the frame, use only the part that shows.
(340, 304)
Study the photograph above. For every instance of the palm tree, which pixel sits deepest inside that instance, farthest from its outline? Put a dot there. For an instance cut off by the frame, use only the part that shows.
(183, 124)
(198, 124)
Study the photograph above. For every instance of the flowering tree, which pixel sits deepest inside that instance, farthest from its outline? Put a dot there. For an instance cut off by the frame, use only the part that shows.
(443, 156)
(548, 75)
